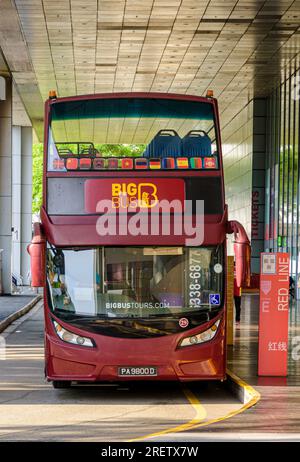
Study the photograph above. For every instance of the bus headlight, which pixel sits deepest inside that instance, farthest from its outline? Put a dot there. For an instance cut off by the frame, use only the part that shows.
(70, 337)
(205, 336)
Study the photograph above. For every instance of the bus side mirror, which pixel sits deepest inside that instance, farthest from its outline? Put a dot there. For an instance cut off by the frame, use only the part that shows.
(37, 252)
(242, 253)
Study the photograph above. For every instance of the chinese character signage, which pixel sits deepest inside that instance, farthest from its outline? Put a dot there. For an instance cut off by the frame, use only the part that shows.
(273, 314)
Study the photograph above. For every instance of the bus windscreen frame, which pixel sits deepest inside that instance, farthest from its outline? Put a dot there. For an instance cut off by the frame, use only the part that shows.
(132, 134)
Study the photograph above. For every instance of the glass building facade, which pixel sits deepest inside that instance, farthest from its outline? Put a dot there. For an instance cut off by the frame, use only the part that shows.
(282, 188)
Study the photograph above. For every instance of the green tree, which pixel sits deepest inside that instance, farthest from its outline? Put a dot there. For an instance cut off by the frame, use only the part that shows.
(37, 177)
(121, 150)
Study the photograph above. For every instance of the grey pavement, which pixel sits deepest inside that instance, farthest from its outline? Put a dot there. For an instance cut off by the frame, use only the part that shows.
(9, 304)
(31, 410)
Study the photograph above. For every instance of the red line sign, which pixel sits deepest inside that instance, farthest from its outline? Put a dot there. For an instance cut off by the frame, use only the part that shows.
(273, 314)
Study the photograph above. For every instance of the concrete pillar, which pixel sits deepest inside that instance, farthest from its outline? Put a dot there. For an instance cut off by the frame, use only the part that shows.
(6, 186)
(16, 200)
(26, 200)
(22, 200)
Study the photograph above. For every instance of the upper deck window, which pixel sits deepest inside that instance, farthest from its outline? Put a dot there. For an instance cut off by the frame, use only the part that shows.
(132, 134)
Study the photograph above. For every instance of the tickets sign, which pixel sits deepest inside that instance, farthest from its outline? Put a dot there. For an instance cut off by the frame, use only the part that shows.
(229, 300)
(131, 194)
(273, 314)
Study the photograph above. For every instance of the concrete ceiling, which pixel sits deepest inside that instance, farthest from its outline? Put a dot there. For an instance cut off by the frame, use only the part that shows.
(20, 116)
(238, 48)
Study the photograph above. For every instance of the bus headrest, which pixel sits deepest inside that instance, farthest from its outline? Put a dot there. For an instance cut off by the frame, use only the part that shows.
(166, 143)
(196, 143)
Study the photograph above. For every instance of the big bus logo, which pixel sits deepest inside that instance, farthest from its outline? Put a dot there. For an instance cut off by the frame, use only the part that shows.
(125, 195)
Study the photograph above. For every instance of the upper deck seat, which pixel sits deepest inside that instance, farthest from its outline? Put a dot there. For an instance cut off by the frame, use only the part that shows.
(166, 143)
(196, 143)
(90, 151)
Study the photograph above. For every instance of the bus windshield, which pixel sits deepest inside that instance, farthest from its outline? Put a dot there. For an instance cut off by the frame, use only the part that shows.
(139, 282)
(131, 134)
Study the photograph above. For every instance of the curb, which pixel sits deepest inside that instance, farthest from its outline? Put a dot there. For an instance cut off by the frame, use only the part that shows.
(18, 314)
(245, 393)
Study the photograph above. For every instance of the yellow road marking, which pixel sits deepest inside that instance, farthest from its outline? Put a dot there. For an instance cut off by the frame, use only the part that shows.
(200, 415)
(254, 397)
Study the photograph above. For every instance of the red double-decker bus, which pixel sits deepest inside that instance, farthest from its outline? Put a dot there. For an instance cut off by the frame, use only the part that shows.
(134, 289)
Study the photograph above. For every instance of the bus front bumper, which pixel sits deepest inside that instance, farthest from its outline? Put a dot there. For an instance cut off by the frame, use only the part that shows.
(82, 364)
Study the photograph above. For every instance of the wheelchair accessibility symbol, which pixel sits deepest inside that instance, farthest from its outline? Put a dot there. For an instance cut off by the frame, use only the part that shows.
(214, 299)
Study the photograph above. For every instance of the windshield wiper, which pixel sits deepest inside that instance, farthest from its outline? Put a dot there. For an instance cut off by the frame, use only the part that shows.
(72, 314)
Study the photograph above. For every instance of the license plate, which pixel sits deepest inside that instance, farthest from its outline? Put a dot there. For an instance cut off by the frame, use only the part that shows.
(143, 371)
